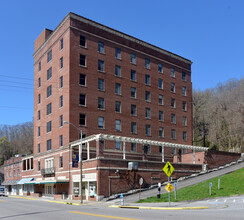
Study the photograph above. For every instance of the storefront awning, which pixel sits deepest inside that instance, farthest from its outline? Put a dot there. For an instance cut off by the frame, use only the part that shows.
(23, 181)
(10, 182)
(50, 181)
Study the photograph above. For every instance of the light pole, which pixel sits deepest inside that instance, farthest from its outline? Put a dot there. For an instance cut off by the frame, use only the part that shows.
(80, 159)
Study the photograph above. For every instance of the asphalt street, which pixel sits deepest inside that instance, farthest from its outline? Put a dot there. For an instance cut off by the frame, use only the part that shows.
(20, 208)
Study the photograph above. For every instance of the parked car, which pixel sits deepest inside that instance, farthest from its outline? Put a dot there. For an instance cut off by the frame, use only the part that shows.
(3, 191)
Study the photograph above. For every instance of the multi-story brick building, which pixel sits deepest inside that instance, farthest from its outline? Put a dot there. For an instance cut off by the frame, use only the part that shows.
(102, 81)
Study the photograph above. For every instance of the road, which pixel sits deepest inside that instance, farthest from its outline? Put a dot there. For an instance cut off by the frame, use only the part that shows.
(19, 208)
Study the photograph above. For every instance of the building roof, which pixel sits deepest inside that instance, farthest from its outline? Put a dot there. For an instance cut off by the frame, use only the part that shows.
(112, 31)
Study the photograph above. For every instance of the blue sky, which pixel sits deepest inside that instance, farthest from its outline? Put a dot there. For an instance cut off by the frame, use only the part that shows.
(208, 32)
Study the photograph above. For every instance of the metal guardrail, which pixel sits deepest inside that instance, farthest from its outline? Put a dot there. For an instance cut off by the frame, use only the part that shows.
(50, 170)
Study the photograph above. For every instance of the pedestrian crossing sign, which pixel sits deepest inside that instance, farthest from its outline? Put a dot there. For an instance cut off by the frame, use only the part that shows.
(168, 169)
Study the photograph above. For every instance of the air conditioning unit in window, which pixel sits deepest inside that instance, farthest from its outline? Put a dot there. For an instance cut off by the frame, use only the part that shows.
(132, 165)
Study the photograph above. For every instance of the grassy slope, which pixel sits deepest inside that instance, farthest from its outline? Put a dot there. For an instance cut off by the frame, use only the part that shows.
(230, 184)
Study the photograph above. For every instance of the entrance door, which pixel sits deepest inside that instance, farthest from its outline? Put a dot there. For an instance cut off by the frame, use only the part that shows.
(49, 190)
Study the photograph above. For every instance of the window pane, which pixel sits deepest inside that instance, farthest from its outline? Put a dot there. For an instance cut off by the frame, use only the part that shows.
(101, 84)
(117, 88)
(147, 63)
(133, 75)
(148, 98)
(82, 60)
(172, 72)
(117, 107)
(82, 41)
(133, 110)
(133, 127)
(82, 119)
(183, 76)
(133, 58)
(82, 99)
(172, 87)
(101, 103)
(160, 68)
(82, 79)
(118, 53)
(100, 47)
(117, 125)
(49, 73)
(117, 70)
(117, 145)
(160, 83)
(101, 65)
(147, 79)
(133, 92)
(100, 122)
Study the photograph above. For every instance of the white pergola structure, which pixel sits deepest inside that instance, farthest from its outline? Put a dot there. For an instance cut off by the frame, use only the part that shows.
(99, 137)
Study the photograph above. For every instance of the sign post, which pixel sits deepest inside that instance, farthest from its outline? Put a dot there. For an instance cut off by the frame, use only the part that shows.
(168, 169)
(140, 183)
(175, 185)
(210, 187)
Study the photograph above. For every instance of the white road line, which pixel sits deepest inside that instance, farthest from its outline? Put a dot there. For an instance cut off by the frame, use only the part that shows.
(225, 200)
(234, 200)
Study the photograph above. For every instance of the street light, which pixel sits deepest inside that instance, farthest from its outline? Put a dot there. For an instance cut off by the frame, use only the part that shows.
(80, 159)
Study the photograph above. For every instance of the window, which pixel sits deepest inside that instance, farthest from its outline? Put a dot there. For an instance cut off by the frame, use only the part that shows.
(39, 66)
(101, 65)
(148, 113)
(82, 120)
(133, 75)
(172, 72)
(39, 148)
(49, 91)
(160, 116)
(49, 56)
(118, 53)
(184, 106)
(147, 63)
(39, 115)
(160, 83)
(60, 140)
(49, 126)
(183, 76)
(184, 121)
(61, 161)
(117, 125)
(61, 101)
(184, 134)
(133, 127)
(101, 84)
(82, 60)
(173, 150)
(133, 58)
(49, 144)
(161, 132)
(147, 149)
(49, 73)
(61, 123)
(117, 145)
(147, 96)
(173, 135)
(39, 82)
(100, 122)
(173, 104)
(82, 79)
(133, 92)
(61, 61)
(82, 41)
(39, 165)
(160, 68)
(39, 98)
(100, 47)
(61, 44)
(172, 87)
(133, 146)
(100, 103)
(148, 130)
(49, 108)
(61, 82)
(133, 110)
(39, 131)
(183, 90)
(82, 99)
(147, 80)
(117, 70)
(118, 107)
(173, 120)
(117, 89)
(160, 100)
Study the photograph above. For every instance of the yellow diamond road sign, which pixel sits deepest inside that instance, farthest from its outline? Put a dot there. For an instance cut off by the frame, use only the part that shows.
(169, 187)
(168, 169)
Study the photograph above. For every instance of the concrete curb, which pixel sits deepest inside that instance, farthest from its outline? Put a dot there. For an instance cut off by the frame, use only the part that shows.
(157, 208)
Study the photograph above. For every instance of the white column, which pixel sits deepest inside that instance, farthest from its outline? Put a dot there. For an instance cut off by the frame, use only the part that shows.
(88, 150)
(162, 153)
(194, 157)
(123, 150)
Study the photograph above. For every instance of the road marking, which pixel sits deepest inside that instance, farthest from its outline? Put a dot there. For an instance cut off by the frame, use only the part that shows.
(216, 200)
(225, 200)
(157, 208)
(103, 216)
(234, 200)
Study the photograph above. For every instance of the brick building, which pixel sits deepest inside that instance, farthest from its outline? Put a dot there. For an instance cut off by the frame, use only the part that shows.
(131, 100)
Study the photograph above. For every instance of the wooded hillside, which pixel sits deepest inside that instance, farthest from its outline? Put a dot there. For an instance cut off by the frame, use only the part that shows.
(16, 139)
(221, 112)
